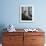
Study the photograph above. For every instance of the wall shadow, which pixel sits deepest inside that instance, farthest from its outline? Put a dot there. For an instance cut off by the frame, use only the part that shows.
(2, 29)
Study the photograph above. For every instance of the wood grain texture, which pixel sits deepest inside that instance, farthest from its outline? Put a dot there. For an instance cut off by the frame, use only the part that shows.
(23, 39)
(13, 39)
(34, 39)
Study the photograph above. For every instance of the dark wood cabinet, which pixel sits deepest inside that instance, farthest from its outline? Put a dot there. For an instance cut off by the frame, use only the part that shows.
(23, 39)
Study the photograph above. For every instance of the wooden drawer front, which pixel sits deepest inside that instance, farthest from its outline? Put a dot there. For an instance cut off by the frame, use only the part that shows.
(8, 45)
(37, 39)
(34, 33)
(13, 33)
(37, 45)
(20, 44)
(12, 39)
(33, 40)
(27, 41)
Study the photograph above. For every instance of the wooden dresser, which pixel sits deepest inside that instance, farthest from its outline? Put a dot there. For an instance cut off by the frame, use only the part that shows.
(23, 38)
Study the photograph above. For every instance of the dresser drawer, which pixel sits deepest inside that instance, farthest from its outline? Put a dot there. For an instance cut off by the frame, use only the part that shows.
(12, 39)
(13, 33)
(13, 44)
(34, 33)
(8, 45)
(37, 44)
(37, 39)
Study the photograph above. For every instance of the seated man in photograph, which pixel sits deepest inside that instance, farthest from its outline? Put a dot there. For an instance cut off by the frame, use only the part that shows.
(25, 16)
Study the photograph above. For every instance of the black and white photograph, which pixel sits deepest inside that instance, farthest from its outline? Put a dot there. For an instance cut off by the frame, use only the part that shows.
(26, 13)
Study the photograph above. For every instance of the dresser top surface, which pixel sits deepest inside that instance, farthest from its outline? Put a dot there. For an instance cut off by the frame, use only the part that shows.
(22, 30)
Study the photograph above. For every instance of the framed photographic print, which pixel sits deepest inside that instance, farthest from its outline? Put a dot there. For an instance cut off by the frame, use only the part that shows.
(26, 13)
